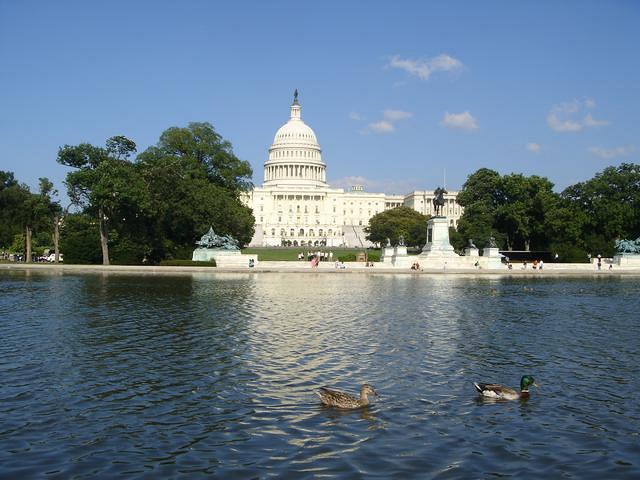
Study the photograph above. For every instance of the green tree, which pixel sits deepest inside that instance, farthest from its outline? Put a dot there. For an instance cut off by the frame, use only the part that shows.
(80, 239)
(522, 207)
(194, 181)
(610, 206)
(9, 201)
(396, 222)
(480, 197)
(512, 208)
(105, 184)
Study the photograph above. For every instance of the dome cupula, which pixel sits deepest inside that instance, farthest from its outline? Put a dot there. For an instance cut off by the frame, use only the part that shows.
(295, 157)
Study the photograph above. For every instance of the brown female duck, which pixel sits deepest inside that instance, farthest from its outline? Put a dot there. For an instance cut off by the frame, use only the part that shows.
(338, 399)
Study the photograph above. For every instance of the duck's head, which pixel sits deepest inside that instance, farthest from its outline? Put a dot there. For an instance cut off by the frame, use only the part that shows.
(367, 389)
(526, 381)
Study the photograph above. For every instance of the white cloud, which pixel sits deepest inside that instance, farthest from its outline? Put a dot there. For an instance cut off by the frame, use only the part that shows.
(383, 126)
(589, 121)
(463, 121)
(423, 68)
(355, 116)
(564, 117)
(609, 153)
(387, 125)
(562, 125)
(395, 115)
(533, 147)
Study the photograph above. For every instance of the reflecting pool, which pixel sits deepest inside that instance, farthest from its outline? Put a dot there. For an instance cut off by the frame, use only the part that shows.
(213, 375)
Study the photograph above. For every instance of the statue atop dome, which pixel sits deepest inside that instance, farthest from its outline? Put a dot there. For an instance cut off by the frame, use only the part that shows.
(295, 97)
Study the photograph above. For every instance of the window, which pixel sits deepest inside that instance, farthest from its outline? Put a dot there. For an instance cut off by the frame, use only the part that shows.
(273, 232)
(301, 232)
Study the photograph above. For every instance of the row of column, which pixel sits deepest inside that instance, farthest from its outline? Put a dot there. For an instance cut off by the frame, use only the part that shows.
(306, 172)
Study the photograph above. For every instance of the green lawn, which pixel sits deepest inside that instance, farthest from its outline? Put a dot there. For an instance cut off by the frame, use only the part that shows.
(266, 254)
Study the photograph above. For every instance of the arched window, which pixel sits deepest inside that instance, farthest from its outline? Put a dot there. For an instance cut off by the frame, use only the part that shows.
(293, 232)
(301, 233)
(311, 232)
(330, 232)
(320, 232)
(273, 232)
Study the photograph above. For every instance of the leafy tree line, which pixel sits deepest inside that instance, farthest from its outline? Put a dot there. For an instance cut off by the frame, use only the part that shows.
(26, 218)
(524, 213)
(127, 209)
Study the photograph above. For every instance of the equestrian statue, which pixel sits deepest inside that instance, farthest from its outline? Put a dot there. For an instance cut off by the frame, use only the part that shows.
(438, 200)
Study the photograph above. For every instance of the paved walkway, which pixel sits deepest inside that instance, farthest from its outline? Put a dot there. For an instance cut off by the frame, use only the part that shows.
(563, 269)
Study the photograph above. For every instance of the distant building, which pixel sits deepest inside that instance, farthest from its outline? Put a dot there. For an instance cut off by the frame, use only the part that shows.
(296, 207)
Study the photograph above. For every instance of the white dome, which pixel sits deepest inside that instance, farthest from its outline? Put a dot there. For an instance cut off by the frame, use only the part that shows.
(295, 158)
(296, 132)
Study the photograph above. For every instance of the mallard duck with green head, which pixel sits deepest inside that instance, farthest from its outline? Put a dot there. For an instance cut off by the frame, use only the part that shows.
(338, 399)
(498, 392)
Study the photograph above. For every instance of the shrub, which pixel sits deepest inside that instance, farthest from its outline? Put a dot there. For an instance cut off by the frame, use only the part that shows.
(80, 240)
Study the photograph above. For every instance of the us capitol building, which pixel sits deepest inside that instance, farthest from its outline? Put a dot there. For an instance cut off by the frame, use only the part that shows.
(295, 206)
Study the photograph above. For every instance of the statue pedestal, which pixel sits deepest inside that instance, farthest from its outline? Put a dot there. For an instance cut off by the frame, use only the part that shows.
(386, 256)
(224, 258)
(438, 244)
(400, 258)
(627, 260)
(438, 252)
(471, 252)
(493, 256)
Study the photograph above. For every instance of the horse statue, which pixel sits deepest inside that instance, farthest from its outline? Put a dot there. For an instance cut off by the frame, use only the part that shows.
(438, 200)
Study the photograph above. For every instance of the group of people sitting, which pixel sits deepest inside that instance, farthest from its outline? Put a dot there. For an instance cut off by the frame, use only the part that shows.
(415, 266)
(321, 256)
(536, 265)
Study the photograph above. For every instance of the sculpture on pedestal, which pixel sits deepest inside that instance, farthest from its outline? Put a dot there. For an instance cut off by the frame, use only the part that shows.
(211, 240)
(628, 246)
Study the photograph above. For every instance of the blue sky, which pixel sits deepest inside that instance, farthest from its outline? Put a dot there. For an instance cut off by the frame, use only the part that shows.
(397, 92)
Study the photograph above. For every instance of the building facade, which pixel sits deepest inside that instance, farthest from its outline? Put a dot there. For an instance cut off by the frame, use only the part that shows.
(295, 206)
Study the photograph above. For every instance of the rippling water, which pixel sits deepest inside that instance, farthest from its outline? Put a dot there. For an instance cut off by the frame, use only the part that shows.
(212, 375)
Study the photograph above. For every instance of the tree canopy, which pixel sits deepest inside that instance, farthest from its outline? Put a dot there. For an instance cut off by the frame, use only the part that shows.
(400, 221)
(525, 213)
(157, 206)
